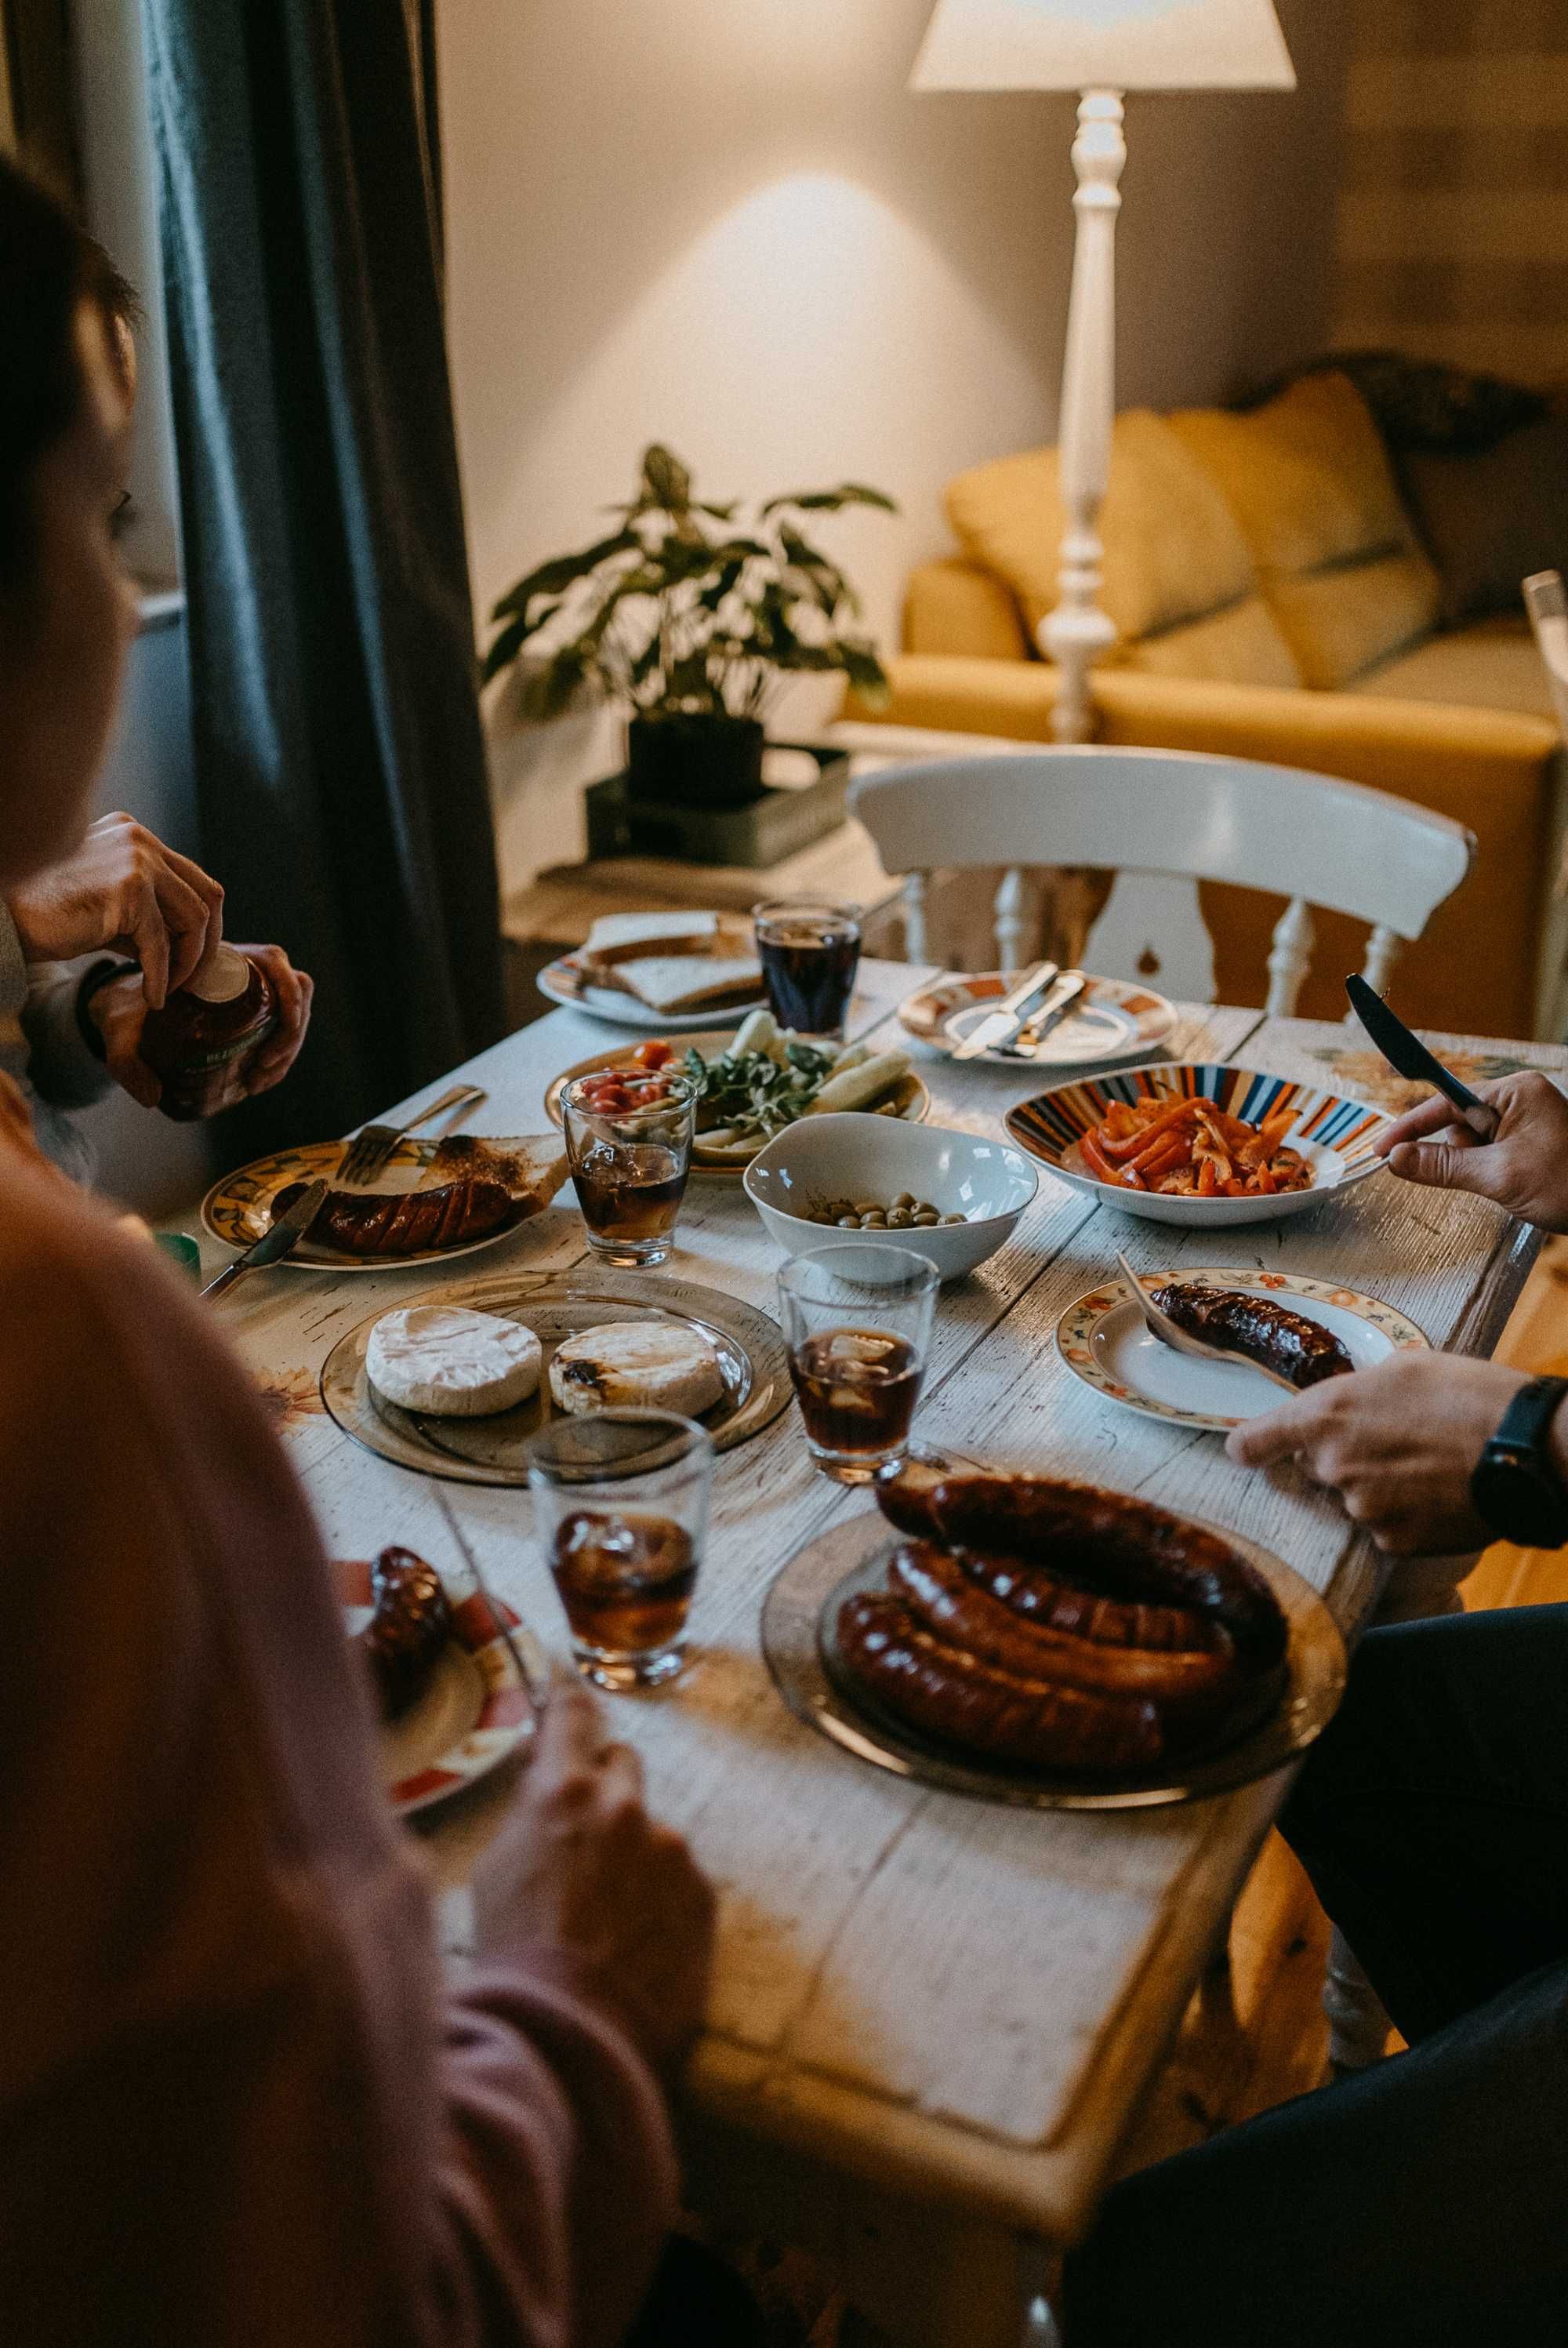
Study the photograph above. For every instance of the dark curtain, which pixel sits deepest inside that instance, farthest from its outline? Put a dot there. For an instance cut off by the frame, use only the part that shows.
(340, 762)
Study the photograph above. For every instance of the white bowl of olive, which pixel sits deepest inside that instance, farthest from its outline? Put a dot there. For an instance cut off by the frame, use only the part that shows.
(952, 1196)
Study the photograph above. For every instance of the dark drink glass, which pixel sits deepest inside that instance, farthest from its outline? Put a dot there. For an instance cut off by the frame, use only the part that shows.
(621, 1503)
(629, 1163)
(858, 1324)
(809, 951)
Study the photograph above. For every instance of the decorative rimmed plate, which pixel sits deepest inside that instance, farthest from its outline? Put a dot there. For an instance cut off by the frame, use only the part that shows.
(476, 1712)
(911, 1100)
(803, 1603)
(556, 1305)
(1338, 1136)
(1105, 1341)
(563, 982)
(239, 1207)
(1114, 1021)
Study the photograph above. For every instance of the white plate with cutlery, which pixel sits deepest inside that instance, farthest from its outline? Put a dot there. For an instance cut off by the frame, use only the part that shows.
(1104, 1340)
(1111, 1020)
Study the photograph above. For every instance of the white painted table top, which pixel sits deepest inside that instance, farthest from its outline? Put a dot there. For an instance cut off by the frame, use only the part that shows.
(963, 2001)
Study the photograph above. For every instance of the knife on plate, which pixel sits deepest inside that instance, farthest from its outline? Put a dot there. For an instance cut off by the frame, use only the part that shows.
(1408, 1055)
(277, 1241)
(1052, 1011)
(1001, 1025)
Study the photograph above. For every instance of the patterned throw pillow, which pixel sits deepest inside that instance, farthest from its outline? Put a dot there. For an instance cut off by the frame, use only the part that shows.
(1421, 407)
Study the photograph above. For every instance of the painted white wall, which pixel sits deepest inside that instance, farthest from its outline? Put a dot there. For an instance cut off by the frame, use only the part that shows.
(727, 224)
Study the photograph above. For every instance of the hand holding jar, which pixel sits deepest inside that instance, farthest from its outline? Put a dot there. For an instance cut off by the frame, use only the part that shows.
(234, 1030)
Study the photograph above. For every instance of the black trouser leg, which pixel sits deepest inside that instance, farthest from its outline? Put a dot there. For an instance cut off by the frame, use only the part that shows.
(1425, 2202)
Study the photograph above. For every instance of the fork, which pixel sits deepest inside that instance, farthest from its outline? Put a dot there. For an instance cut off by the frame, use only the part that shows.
(371, 1147)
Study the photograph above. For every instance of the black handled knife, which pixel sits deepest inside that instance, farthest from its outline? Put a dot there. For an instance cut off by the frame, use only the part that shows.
(1408, 1055)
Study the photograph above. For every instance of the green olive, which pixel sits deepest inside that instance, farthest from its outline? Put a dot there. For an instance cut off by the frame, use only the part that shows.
(848, 1223)
(926, 1218)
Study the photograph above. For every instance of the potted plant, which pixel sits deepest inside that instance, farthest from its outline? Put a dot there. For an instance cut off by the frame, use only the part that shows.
(690, 619)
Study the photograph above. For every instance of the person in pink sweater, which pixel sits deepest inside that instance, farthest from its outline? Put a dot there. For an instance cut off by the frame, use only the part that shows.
(236, 2102)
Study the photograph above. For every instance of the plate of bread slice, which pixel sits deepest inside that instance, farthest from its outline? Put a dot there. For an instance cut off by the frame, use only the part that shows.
(433, 1200)
(660, 971)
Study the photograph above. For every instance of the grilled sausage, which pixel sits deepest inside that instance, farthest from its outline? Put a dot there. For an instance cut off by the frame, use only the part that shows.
(1037, 1532)
(407, 1222)
(1286, 1343)
(410, 1625)
(948, 1694)
(944, 1597)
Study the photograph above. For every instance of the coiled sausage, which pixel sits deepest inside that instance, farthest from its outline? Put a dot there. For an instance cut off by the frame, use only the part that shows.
(952, 1695)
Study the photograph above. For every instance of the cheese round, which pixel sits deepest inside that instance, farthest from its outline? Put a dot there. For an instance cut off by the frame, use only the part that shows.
(657, 1365)
(452, 1363)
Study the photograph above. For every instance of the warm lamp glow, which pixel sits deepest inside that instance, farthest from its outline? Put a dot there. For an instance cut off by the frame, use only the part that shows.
(1103, 45)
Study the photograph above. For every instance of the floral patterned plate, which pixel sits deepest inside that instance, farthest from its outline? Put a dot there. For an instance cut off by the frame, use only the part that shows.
(475, 1712)
(239, 1207)
(1113, 1021)
(1104, 1341)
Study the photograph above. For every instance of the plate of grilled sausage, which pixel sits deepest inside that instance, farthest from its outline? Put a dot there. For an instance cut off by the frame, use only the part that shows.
(1302, 1330)
(443, 1673)
(1036, 1641)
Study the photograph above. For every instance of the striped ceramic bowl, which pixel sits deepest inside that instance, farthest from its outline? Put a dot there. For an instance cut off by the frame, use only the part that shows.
(1335, 1136)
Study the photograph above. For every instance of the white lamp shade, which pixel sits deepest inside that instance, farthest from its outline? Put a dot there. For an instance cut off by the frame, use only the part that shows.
(1103, 45)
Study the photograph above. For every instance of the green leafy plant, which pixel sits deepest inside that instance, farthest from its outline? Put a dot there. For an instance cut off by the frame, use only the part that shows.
(684, 611)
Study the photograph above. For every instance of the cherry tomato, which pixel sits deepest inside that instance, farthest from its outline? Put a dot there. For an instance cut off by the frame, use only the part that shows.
(655, 1056)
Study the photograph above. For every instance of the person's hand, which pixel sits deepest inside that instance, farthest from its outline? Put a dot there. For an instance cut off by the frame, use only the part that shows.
(1525, 1166)
(1397, 1443)
(293, 989)
(118, 1010)
(124, 890)
(579, 1866)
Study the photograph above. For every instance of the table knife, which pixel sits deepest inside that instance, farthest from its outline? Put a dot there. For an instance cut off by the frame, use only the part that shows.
(1003, 1023)
(1408, 1056)
(498, 1614)
(1063, 995)
(283, 1236)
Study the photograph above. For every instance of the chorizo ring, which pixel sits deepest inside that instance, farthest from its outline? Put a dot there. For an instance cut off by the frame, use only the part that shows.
(1111, 1545)
(952, 1695)
(945, 1600)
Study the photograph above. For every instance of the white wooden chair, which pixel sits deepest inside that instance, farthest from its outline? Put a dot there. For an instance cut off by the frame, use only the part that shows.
(1164, 820)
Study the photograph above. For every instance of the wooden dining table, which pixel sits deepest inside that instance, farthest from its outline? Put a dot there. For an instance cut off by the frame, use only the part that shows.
(932, 2020)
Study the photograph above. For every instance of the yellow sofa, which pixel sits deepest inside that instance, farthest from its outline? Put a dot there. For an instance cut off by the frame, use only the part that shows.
(1272, 601)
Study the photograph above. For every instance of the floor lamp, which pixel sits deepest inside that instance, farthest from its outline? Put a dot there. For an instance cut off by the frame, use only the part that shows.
(1101, 48)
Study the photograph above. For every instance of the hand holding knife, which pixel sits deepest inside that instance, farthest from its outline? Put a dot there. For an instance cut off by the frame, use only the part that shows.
(1408, 1056)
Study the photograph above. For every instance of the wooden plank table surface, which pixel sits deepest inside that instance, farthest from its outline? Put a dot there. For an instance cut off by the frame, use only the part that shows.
(917, 1999)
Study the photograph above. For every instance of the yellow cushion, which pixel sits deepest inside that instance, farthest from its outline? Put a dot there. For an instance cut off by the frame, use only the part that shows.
(953, 607)
(1310, 483)
(1239, 645)
(1174, 552)
(1492, 666)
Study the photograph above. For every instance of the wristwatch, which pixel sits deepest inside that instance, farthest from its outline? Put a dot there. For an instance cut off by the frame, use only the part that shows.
(1515, 1490)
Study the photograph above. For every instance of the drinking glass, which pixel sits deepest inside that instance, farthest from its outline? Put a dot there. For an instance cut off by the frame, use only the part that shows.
(809, 951)
(620, 1504)
(629, 1144)
(858, 1319)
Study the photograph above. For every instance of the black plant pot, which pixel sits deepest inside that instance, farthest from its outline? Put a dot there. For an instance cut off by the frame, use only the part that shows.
(695, 761)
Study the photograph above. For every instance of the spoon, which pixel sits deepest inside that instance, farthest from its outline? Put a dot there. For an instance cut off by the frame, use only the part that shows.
(1165, 1329)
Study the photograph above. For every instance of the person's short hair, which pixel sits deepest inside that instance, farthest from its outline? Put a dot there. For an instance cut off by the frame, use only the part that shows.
(47, 267)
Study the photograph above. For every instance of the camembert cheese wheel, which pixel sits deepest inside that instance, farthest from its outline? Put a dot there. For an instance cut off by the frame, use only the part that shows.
(452, 1363)
(647, 1364)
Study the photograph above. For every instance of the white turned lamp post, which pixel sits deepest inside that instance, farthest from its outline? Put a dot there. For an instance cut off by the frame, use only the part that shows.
(1102, 48)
